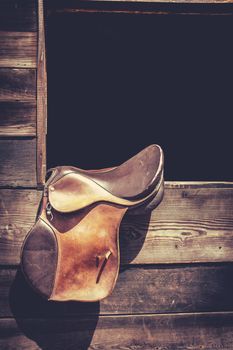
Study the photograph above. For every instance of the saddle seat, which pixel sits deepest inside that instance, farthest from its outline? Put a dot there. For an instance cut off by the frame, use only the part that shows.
(72, 251)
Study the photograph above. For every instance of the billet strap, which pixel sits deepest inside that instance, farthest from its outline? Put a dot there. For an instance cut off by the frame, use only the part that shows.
(50, 170)
(50, 175)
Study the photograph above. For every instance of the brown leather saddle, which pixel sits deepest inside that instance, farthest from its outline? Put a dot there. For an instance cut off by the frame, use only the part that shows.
(72, 251)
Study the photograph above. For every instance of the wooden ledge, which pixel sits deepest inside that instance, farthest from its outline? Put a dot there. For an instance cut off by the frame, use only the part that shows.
(192, 7)
(192, 224)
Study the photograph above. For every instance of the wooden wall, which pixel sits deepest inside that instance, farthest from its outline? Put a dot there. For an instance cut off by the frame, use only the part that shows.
(22, 94)
(18, 63)
(174, 290)
(176, 282)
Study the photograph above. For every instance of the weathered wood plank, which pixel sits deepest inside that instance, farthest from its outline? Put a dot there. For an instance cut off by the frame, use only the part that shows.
(18, 164)
(17, 84)
(17, 213)
(198, 184)
(183, 1)
(18, 15)
(41, 97)
(17, 119)
(177, 331)
(190, 225)
(138, 290)
(193, 7)
(72, 4)
(18, 49)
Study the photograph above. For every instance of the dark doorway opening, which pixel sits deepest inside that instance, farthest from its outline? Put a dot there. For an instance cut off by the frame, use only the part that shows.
(119, 82)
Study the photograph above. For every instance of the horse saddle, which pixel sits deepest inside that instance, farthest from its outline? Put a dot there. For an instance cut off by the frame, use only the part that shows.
(72, 251)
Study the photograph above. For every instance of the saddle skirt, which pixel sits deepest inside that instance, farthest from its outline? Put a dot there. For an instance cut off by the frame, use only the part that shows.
(72, 251)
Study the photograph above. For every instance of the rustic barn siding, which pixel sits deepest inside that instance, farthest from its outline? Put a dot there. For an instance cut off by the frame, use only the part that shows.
(156, 300)
(175, 286)
(18, 159)
(139, 290)
(17, 85)
(17, 119)
(18, 70)
(190, 225)
(193, 7)
(18, 49)
(41, 97)
(170, 332)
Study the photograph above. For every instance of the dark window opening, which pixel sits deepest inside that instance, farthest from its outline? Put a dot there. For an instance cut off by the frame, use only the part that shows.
(119, 82)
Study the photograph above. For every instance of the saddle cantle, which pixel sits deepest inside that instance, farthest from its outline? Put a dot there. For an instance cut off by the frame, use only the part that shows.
(72, 251)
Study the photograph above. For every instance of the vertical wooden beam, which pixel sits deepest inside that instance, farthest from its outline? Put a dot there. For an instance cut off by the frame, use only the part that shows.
(41, 97)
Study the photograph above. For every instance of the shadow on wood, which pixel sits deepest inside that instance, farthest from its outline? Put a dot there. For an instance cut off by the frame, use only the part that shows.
(50, 324)
(133, 234)
(26, 304)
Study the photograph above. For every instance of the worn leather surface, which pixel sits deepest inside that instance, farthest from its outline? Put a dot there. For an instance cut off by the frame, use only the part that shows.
(39, 257)
(133, 179)
(74, 191)
(84, 238)
(76, 236)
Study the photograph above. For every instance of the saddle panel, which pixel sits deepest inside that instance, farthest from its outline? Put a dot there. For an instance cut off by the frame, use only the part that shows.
(39, 256)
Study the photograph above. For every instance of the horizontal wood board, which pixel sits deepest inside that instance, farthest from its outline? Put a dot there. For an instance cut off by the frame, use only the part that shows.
(190, 225)
(17, 167)
(155, 7)
(138, 290)
(172, 331)
(17, 84)
(17, 119)
(18, 49)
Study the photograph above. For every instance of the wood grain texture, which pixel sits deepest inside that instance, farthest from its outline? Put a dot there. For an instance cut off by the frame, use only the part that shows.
(18, 164)
(69, 5)
(172, 331)
(63, 4)
(41, 97)
(180, 1)
(17, 119)
(17, 213)
(179, 7)
(17, 84)
(190, 225)
(18, 49)
(198, 184)
(138, 290)
(18, 15)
